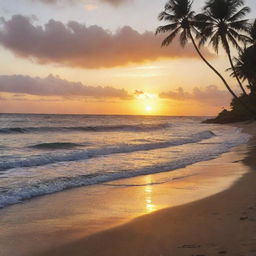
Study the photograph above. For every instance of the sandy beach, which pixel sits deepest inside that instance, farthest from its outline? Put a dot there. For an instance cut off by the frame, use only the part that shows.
(211, 212)
(223, 224)
(128, 128)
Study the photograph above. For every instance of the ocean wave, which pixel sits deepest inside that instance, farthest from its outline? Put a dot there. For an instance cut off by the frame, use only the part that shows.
(90, 153)
(18, 193)
(56, 145)
(106, 128)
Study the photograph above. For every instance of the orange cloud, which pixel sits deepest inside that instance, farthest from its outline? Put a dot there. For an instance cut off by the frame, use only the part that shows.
(210, 95)
(77, 45)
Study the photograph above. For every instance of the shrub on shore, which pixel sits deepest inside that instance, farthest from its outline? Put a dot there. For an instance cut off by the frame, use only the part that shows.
(238, 112)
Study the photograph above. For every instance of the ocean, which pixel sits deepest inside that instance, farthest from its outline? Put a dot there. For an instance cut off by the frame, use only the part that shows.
(44, 154)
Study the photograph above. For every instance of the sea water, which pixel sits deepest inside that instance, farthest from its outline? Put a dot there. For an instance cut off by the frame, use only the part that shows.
(44, 154)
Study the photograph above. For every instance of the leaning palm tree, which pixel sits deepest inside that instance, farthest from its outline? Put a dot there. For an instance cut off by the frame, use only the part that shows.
(222, 23)
(180, 22)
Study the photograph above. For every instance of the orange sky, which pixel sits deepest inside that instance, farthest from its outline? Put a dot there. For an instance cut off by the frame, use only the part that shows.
(77, 63)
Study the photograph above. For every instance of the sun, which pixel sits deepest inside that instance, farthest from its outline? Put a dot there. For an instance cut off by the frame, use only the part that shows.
(148, 108)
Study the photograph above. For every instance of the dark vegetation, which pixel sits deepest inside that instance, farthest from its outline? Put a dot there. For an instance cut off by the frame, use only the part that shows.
(222, 24)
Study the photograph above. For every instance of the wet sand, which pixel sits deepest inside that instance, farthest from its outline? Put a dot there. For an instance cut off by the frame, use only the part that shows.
(73, 222)
(223, 224)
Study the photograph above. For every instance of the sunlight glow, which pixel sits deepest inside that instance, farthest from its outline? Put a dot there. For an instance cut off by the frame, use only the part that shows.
(147, 103)
(150, 207)
(148, 108)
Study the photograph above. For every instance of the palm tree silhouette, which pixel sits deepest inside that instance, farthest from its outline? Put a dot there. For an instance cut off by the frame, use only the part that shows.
(180, 18)
(245, 64)
(221, 23)
(245, 67)
(252, 33)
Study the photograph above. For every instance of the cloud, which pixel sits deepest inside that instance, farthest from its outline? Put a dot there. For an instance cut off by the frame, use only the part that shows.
(77, 45)
(112, 2)
(210, 95)
(54, 86)
(90, 6)
(116, 2)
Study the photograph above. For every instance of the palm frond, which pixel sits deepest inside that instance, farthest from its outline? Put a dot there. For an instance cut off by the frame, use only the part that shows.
(170, 38)
(233, 5)
(183, 38)
(241, 25)
(195, 31)
(253, 32)
(205, 35)
(180, 16)
(224, 42)
(240, 14)
(166, 16)
(223, 9)
(214, 41)
(179, 8)
(239, 37)
(234, 42)
(245, 65)
(166, 28)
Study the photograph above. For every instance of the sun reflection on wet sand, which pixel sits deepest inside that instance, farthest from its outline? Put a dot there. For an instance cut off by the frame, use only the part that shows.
(150, 207)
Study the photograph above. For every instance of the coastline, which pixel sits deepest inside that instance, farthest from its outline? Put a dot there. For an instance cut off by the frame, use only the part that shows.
(69, 228)
(222, 224)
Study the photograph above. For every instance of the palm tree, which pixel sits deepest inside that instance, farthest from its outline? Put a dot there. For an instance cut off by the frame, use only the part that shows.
(245, 64)
(222, 23)
(252, 33)
(245, 67)
(180, 18)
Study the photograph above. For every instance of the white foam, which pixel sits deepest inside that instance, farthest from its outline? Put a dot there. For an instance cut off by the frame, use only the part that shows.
(15, 194)
(90, 153)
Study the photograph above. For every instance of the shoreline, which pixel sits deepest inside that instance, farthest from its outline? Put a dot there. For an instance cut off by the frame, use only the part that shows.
(74, 223)
(222, 224)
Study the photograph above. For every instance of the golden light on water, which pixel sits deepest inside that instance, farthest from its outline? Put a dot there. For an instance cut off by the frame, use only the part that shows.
(150, 207)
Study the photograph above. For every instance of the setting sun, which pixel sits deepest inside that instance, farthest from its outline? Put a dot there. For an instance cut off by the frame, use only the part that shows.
(148, 108)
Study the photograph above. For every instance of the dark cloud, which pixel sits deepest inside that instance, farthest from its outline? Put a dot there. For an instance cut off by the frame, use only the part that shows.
(210, 95)
(77, 45)
(54, 86)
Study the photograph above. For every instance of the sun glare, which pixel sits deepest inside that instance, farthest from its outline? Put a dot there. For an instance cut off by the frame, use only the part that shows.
(146, 103)
(148, 108)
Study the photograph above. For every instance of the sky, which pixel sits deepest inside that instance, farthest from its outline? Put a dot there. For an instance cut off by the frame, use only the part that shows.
(102, 57)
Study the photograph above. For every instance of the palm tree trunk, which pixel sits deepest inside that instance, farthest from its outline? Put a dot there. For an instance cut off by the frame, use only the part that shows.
(211, 67)
(221, 77)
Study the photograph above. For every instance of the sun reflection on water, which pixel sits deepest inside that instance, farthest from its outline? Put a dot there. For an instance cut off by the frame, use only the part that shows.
(150, 207)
